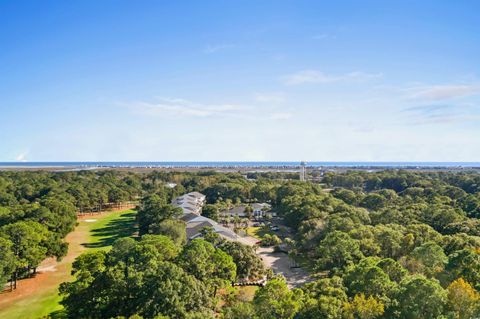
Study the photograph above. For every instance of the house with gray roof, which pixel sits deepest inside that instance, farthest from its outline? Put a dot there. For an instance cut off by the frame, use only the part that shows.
(192, 204)
(196, 225)
(258, 210)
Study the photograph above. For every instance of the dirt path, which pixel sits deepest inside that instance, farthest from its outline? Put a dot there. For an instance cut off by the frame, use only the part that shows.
(34, 292)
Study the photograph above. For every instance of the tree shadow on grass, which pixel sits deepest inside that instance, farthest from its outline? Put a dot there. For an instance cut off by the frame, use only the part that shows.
(115, 229)
(58, 314)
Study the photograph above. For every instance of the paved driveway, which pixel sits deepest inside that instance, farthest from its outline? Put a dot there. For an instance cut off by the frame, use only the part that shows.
(279, 262)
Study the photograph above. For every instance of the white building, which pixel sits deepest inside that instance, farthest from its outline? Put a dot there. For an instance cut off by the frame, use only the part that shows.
(258, 210)
(190, 203)
(196, 224)
(262, 210)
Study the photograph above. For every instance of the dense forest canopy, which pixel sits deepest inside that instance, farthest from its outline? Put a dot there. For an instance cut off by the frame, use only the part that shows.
(38, 209)
(388, 244)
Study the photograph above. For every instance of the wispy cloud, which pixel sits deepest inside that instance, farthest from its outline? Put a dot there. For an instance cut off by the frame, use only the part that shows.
(447, 118)
(314, 76)
(185, 108)
(442, 114)
(324, 36)
(270, 97)
(428, 109)
(442, 104)
(209, 49)
(443, 92)
(22, 156)
(281, 116)
(361, 126)
(279, 57)
(181, 108)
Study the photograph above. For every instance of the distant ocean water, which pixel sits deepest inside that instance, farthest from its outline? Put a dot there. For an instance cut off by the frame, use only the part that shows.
(242, 164)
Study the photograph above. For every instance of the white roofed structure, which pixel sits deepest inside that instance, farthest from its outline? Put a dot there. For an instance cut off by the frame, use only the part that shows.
(192, 204)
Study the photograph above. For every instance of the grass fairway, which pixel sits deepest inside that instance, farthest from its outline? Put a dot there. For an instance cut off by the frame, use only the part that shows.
(38, 297)
(104, 232)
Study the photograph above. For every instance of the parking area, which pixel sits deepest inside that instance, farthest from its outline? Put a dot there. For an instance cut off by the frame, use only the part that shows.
(280, 263)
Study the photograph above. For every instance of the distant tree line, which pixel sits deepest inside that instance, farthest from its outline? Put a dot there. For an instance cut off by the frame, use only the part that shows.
(389, 244)
(38, 209)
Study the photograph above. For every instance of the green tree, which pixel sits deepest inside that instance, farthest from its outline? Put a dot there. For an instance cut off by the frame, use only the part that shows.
(419, 297)
(465, 264)
(362, 307)
(337, 251)
(7, 261)
(249, 265)
(207, 263)
(172, 292)
(240, 310)
(324, 298)
(346, 195)
(393, 269)
(271, 240)
(428, 259)
(389, 237)
(26, 239)
(275, 300)
(211, 211)
(373, 201)
(463, 299)
(78, 296)
(248, 211)
(368, 278)
(153, 210)
(173, 228)
(133, 279)
(164, 245)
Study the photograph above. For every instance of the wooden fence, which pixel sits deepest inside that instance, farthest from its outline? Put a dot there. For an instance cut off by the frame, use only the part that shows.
(97, 209)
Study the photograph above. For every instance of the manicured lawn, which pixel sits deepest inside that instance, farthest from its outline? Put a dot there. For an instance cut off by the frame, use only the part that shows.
(39, 297)
(104, 232)
(36, 305)
(258, 232)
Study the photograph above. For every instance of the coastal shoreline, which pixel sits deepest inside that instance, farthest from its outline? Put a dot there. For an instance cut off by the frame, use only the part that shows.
(243, 167)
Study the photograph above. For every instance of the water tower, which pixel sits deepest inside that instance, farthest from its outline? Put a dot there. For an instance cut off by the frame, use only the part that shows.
(303, 170)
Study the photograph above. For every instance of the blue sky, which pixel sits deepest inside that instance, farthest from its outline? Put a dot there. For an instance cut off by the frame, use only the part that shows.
(239, 80)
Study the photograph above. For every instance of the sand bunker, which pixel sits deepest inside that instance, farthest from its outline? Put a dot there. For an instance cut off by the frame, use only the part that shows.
(47, 269)
(90, 220)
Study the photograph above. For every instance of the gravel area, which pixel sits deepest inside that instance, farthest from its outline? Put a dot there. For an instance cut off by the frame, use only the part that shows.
(279, 262)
